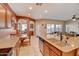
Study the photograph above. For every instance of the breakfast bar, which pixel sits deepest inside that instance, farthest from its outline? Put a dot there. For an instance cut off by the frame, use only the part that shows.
(54, 47)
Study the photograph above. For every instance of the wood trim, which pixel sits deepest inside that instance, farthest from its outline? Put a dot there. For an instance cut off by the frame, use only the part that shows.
(6, 25)
(17, 26)
(25, 17)
(28, 27)
(28, 23)
(6, 6)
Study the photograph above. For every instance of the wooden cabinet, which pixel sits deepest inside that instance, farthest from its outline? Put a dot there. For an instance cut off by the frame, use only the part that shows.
(77, 52)
(46, 49)
(51, 53)
(2, 17)
(50, 50)
(41, 42)
(55, 50)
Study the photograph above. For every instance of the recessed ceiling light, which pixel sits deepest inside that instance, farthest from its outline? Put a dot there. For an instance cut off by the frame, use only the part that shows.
(30, 8)
(46, 11)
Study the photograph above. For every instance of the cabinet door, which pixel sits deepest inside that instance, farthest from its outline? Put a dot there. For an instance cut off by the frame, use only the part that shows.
(46, 50)
(55, 50)
(41, 46)
(2, 17)
(51, 53)
(77, 54)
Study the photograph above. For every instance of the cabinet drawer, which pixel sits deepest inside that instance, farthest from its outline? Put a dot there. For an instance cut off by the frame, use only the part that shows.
(55, 50)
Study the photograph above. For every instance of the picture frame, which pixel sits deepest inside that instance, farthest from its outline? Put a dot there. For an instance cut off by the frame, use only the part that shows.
(31, 26)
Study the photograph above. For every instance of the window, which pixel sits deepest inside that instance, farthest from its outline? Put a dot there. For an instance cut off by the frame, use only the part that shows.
(59, 28)
(50, 28)
(22, 27)
(54, 27)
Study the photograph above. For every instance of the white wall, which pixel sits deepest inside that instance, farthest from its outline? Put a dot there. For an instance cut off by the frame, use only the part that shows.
(40, 26)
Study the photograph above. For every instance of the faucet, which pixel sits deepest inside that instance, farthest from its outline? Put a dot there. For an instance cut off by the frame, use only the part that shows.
(61, 37)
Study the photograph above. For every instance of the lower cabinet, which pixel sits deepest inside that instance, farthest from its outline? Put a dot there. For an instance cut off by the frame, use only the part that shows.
(52, 53)
(46, 49)
(50, 50)
(41, 44)
(77, 54)
(55, 51)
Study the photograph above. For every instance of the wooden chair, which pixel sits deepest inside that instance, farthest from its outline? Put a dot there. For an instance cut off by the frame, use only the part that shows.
(24, 39)
(12, 35)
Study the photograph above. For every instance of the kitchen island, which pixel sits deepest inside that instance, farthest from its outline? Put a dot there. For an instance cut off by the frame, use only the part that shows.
(8, 42)
(54, 47)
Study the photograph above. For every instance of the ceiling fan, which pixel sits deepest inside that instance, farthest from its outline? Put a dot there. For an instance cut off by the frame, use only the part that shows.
(39, 4)
(74, 18)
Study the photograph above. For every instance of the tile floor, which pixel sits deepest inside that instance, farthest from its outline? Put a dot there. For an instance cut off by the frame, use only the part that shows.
(32, 50)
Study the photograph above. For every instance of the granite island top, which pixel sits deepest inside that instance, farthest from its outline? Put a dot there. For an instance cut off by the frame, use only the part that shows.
(8, 42)
(73, 43)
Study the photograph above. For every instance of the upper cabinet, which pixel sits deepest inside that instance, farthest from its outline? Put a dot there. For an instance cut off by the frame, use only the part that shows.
(6, 16)
(9, 18)
(2, 16)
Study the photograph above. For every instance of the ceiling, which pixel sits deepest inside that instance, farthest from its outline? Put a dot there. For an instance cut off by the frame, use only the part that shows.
(2, 9)
(56, 11)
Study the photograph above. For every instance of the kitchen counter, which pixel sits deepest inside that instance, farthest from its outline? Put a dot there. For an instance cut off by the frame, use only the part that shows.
(13, 43)
(8, 42)
(73, 43)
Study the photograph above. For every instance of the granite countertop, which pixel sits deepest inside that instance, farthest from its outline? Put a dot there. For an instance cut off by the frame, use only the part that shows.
(8, 42)
(73, 43)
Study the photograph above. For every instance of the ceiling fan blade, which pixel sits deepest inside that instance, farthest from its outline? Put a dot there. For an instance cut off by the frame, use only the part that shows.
(77, 18)
(74, 16)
